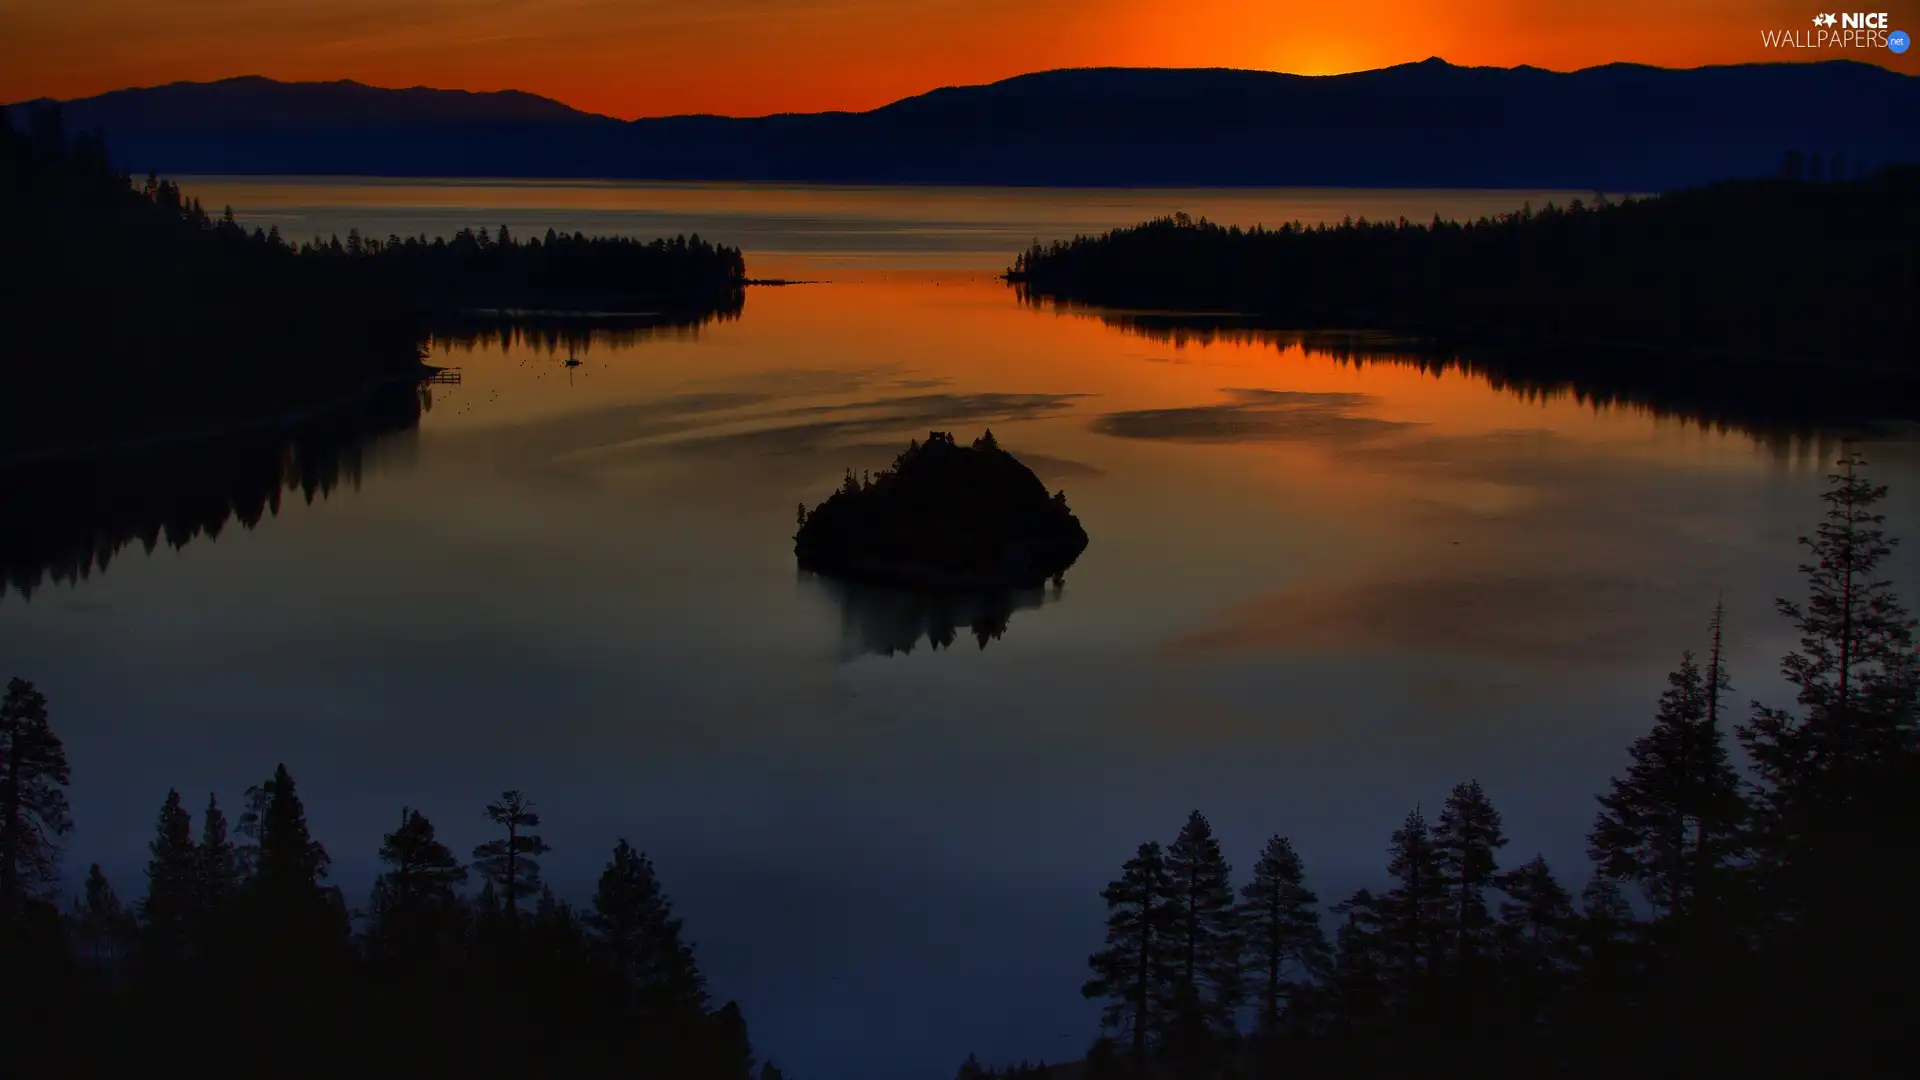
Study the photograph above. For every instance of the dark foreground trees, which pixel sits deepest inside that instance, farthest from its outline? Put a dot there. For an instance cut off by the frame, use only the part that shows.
(1777, 936)
(33, 800)
(231, 966)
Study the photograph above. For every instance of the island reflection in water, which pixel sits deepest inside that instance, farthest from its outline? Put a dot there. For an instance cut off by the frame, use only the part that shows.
(890, 621)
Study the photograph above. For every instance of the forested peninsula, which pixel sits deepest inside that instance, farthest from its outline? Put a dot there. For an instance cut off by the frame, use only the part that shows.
(1802, 267)
(135, 313)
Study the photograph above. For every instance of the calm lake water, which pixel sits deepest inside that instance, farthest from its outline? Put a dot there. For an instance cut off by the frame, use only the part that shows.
(1317, 594)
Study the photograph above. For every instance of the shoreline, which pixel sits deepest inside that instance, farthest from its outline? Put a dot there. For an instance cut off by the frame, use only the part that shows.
(182, 437)
(1466, 339)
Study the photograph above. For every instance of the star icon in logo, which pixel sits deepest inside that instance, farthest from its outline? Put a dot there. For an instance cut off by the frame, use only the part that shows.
(1830, 19)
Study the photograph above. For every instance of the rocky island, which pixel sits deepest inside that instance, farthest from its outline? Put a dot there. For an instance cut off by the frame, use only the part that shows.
(945, 516)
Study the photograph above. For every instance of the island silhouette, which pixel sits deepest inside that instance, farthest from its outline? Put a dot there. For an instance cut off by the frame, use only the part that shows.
(944, 516)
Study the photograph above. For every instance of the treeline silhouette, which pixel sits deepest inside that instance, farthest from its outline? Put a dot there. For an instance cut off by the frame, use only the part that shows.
(1781, 268)
(240, 959)
(1775, 404)
(683, 276)
(130, 311)
(76, 514)
(1773, 934)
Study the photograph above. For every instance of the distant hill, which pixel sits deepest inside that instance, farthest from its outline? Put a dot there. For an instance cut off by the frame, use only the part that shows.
(1618, 127)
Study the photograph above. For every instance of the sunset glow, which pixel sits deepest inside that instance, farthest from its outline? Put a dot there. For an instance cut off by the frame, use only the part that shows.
(751, 57)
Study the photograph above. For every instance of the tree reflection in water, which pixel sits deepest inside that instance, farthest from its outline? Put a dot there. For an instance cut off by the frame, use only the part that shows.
(77, 513)
(890, 621)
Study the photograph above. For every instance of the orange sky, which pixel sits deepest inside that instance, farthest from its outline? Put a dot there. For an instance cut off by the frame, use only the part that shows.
(748, 57)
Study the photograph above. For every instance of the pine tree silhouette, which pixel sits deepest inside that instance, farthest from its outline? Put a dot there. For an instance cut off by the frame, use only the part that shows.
(1468, 837)
(172, 899)
(1137, 971)
(1286, 951)
(414, 911)
(1204, 935)
(640, 940)
(510, 863)
(1675, 822)
(33, 802)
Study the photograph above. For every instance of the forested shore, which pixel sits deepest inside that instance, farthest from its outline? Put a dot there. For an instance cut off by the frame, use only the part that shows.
(1784, 269)
(135, 312)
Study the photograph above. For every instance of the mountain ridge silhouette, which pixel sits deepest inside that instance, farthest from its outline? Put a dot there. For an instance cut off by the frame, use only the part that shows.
(1429, 123)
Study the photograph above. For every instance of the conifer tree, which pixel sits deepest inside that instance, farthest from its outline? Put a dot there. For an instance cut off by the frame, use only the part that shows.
(216, 883)
(1839, 789)
(33, 801)
(1675, 822)
(1604, 933)
(733, 1049)
(292, 862)
(218, 860)
(1137, 970)
(1284, 947)
(1203, 926)
(639, 940)
(252, 816)
(1856, 675)
(173, 874)
(509, 862)
(1468, 838)
(1537, 923)
(101, 919)
(1604, 908)
(1413, 914)
(1359, 972)
(414, 906)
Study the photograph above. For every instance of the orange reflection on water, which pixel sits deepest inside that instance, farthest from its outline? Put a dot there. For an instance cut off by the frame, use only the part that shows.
(1278, 478)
